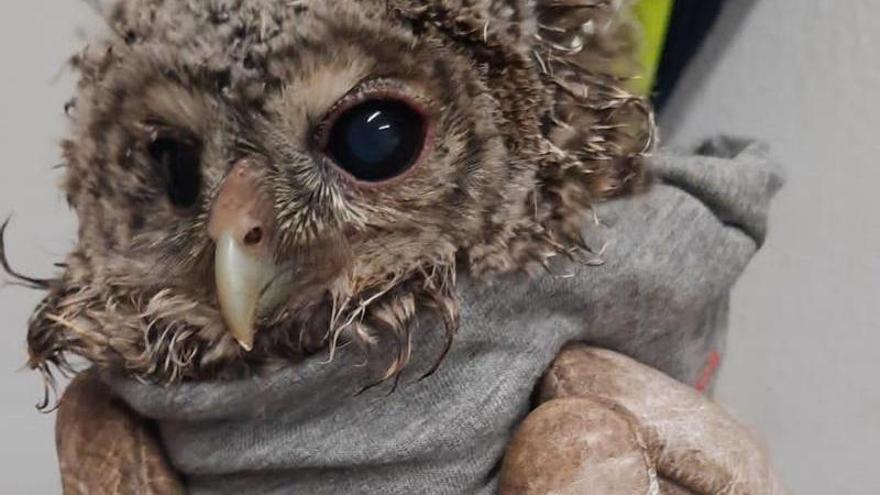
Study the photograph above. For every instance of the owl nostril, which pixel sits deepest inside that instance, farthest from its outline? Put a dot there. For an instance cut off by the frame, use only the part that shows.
(243, 212)
(253, 237)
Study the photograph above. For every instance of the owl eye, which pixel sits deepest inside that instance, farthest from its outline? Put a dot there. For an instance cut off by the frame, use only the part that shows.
(377, 140)
(179, 161)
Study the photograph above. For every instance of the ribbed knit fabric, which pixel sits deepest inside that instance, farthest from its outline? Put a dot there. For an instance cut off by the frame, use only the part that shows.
(672, 256)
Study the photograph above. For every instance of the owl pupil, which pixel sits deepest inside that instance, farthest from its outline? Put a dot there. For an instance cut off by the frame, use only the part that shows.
(180, 164)
(377, 140)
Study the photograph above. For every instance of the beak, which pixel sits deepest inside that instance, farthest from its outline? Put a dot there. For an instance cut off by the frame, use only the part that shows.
(241, 281)
(243, 229)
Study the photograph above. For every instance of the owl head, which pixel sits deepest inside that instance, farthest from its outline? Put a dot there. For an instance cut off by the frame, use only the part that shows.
(259, 179)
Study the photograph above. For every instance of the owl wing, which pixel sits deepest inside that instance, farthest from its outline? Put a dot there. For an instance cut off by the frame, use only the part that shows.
(609, 424)
(105, 448)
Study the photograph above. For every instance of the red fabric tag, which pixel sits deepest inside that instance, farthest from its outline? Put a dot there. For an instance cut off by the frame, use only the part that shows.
(712, 365)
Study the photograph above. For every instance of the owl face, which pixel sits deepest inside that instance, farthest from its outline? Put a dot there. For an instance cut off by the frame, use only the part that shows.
(257, 179)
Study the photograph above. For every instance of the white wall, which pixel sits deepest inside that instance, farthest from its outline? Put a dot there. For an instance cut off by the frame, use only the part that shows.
(804, 358)
(36, 39)
(803, 74)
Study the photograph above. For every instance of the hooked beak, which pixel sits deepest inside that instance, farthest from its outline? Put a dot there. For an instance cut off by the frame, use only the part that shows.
(242, 227)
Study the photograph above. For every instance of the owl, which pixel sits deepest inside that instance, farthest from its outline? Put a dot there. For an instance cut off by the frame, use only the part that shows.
(257, 180)
(260, 180)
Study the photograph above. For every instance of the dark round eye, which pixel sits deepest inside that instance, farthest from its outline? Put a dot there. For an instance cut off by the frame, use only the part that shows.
(179, 161)
(377, 140)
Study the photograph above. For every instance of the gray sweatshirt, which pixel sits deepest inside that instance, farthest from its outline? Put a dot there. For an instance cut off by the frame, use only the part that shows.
(661, 296)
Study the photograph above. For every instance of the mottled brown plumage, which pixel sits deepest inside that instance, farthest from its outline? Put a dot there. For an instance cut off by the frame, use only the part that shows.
(531, 124)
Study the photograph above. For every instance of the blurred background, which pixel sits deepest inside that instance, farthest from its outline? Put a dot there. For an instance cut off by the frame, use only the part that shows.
(802, 359)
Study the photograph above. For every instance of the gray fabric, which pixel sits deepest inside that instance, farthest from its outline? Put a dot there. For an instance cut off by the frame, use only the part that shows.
(672, 256)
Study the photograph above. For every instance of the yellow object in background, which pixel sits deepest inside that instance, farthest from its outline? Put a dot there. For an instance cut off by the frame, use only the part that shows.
(654, 17)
